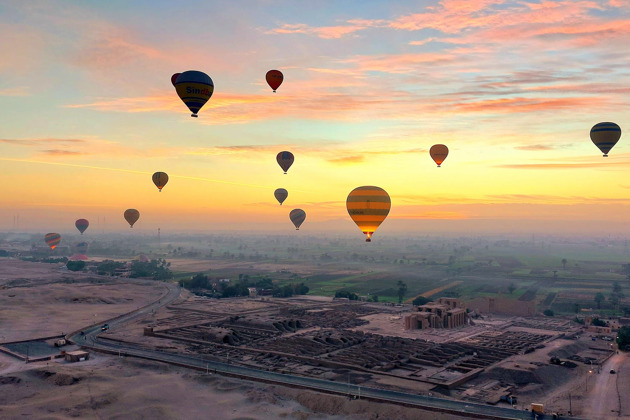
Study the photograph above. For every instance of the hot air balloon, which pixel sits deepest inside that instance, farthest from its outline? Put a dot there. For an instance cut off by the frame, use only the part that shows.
(368, 207)
(132, 216)
(605, 135)
(52, 239)
(81, 247)
(194, 89)
(274, 79)
(82, 224)
(160, 179)
(281, 194)
(174, 78)
(285, 160)
(438, 153)
(297, 216)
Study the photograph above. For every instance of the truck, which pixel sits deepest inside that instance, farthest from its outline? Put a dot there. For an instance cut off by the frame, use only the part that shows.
(61, 342)
(537, 408)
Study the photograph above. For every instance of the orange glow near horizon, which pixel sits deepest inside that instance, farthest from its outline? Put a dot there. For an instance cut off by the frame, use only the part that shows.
(512, 88)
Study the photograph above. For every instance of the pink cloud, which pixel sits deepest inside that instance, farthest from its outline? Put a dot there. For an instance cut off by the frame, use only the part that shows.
(15, 91)
(521, 104)
(327, 32)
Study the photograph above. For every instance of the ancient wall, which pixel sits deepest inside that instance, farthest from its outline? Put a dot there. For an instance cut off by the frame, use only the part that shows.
(503, 306)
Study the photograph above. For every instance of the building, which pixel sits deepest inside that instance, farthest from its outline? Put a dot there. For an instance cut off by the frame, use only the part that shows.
(444, 313)
(77, 356)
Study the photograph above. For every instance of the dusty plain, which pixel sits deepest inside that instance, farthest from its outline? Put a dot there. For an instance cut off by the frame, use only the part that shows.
(40, 299)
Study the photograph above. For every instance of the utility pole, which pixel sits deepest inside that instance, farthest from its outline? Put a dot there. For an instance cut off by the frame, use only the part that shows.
(570, 407)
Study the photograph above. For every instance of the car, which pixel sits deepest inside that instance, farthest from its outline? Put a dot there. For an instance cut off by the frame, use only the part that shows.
(105, 327)
(612, 371)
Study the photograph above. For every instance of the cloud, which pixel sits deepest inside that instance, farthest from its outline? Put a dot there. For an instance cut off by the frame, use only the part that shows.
(328, 32)
(526, 105)
(57, 152)
(347, 160)
(40, 142)
(604, 164)
(535, 147)
(15, 91)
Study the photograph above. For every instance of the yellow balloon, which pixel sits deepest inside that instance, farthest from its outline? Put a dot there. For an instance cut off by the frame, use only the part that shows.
(368, 206)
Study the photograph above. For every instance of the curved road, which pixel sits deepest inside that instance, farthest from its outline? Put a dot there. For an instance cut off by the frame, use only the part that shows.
(90, 339)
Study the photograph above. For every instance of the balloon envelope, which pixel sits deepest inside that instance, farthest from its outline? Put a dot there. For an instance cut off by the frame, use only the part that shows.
(438, 153)
(132, 216)
(160, 179)
(368, 206)
(605, 135)
(285, 160)
(52, 239)
(82, 224)
(281, 194)
(297, 216)
(274, 79)
(81, 247)
(174, 78)
(194, 88)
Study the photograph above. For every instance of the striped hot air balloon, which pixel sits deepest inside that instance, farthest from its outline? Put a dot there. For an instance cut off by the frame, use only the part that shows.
(605, 135)
(297, 216)
(194, 88)
(368, 206)
(131, 216)
(285, 160)
(281, 194)
(82, 225)
(52, 239)
(160, 179)
(438, 153)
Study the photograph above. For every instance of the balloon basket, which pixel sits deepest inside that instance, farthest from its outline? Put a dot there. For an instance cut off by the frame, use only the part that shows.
(194, 115)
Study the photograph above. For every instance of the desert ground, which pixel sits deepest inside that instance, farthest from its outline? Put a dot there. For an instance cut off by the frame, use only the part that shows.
(39, 299)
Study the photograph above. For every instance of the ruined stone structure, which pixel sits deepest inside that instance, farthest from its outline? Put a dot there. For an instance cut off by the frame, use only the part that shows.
(503, 306)
(444, 313)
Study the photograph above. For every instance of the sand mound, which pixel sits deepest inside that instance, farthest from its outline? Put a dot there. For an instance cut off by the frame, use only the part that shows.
(9, 380)
(569, 350)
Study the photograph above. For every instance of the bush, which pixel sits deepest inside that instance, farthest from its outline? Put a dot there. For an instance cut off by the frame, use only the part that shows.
(75, 265)
(421, 300)
(548, 312)
(623, 338)
(598, 322)
(346, 294)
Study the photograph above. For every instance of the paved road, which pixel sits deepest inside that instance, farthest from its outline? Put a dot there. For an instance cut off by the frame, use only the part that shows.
(603, 400)
(90, 339)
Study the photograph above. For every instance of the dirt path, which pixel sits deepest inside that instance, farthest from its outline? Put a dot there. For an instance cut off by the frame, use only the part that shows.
(435, 291)
(603, 399)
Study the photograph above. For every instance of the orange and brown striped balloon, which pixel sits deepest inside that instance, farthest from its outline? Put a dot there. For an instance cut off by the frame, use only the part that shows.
(368, 206)
(52, 239)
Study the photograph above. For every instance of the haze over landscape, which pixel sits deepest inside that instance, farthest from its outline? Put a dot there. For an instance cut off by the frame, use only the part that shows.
(497, 285)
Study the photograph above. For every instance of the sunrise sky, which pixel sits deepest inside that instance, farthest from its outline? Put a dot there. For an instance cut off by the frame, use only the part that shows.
(512, 87)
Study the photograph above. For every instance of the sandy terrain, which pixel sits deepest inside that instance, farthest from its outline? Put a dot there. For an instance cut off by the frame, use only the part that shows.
(39, 299)
(121, 388)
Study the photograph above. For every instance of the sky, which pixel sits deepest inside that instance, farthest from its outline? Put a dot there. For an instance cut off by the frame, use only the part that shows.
(511, 87)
